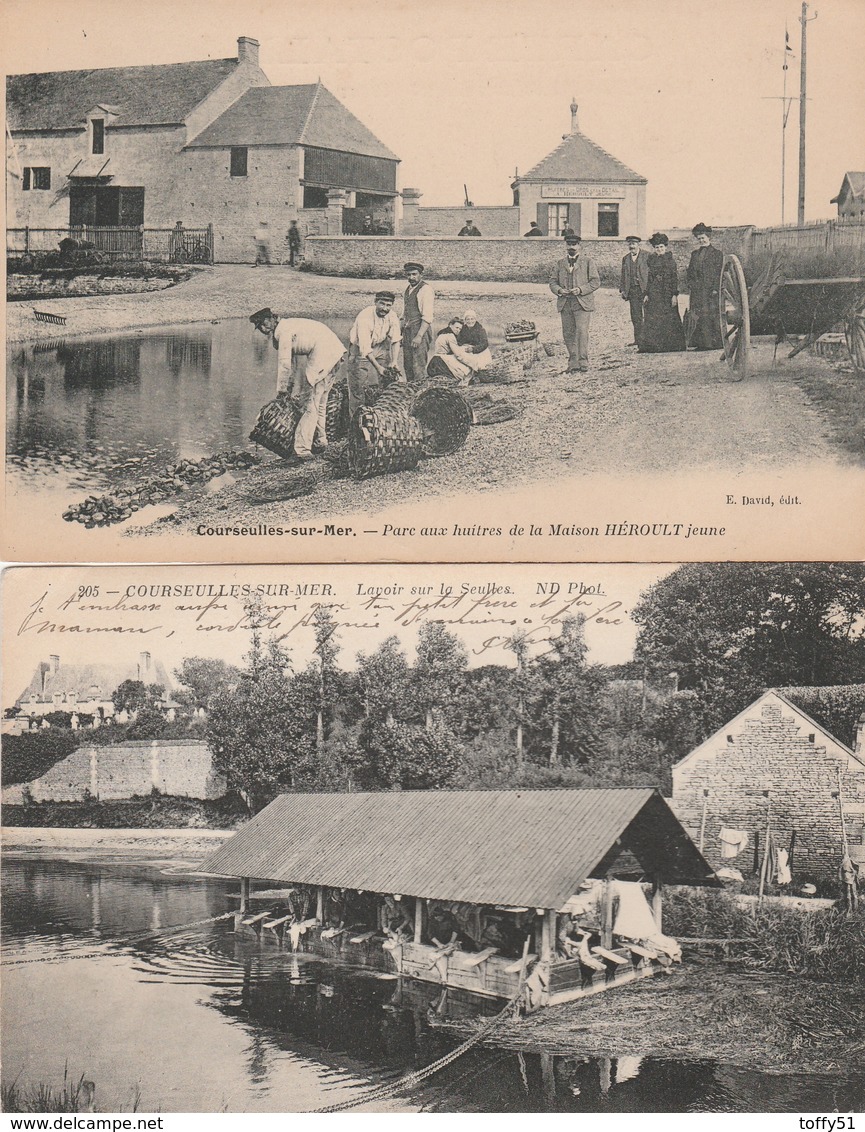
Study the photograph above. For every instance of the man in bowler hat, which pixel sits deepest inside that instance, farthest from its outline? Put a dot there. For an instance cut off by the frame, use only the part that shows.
(634, 281)
(574, 280)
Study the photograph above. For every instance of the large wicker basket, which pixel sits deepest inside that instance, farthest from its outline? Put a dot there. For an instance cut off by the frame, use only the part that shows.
(383, 439)
(445, 419)
(275, 427)
(503, 370)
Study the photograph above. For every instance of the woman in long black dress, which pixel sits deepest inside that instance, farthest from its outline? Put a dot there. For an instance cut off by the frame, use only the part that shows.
(662, 328)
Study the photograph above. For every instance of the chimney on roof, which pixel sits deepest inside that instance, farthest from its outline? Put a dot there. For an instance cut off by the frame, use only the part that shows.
(55, 664)
(143, 665)
(247, 50)
(575, 127)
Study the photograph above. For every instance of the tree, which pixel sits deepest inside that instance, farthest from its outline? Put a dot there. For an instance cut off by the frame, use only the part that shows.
(383, 681)
(203, 678)
(145, 704)
(408, 756)
(258, 730)
(731, 630)
(519, 646)
(327, 650)
(438, 672)
(568, 696)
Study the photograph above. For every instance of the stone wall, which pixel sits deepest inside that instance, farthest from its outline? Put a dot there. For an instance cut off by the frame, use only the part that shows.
(180, 767)
(773, 750)
(497, 220)
(521, 260)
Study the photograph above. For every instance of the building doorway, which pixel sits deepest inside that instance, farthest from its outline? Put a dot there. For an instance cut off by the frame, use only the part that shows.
(105, 206)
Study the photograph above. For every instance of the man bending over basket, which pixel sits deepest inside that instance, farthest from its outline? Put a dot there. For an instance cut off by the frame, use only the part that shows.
(297, 338)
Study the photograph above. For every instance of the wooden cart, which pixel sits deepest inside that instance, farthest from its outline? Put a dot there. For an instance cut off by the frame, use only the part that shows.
(794, 290)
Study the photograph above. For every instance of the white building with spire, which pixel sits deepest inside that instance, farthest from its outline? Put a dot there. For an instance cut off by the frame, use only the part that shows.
(581, 186)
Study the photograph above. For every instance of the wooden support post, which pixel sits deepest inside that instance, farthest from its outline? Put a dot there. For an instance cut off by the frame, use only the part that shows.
(244, 895)
(418, 919)
(607, 921)
(319, 905)
(548, 935)
(658, 901)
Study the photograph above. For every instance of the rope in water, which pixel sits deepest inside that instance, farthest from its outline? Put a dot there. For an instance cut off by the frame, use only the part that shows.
(410, 1080)
(117, 939)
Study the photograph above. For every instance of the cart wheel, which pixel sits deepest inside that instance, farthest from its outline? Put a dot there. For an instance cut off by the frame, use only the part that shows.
(734, 315)
(855, 334)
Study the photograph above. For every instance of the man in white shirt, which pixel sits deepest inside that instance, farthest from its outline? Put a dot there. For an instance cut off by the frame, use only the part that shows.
(319, 347)
(374, 342)
(418, 314)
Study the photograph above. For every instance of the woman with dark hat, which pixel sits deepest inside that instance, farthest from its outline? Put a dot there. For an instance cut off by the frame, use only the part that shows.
(704, 283)
(662, 327)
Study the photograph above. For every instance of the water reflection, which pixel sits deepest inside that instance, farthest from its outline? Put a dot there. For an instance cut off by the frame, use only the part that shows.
(282, 1032)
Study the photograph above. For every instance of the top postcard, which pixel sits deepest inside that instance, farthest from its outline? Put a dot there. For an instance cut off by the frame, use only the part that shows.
(487, 282)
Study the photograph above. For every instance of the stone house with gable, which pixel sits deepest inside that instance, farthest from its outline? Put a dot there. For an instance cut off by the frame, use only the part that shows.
(207, 142)
(774, 765)
(581, 185)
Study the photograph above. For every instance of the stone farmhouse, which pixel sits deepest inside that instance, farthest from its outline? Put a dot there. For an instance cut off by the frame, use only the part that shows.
(84, 689)
(774, 766)
(207, 142)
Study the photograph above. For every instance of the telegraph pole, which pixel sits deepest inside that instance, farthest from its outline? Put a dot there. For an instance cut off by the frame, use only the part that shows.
(803, 97)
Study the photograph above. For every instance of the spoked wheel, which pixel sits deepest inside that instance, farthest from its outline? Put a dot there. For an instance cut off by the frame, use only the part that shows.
(855, 334)
(734, 315)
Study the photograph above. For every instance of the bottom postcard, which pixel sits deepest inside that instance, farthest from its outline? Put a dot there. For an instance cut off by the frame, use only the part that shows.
(429, 838)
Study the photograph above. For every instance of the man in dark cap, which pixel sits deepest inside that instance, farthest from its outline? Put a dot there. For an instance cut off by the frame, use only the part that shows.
(574, 281)
(469, 229)
(306, 341)
(534, 229)
(635, 279)
(373, 346)
(418, 314)
(704, 283)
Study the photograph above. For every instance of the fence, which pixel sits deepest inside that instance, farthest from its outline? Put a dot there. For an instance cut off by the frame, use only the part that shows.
(166, 245)
(814, 251)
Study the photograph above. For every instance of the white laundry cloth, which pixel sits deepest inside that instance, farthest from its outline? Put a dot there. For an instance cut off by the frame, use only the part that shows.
(782, 867)
(733, 842)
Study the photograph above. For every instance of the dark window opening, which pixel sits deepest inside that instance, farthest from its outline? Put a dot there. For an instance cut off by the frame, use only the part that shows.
(98, 125)
(37, 177)
(239, 155)
(314, 197)
(608, 220)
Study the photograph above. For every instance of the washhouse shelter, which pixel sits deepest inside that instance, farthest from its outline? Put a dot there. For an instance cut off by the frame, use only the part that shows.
(555, 892)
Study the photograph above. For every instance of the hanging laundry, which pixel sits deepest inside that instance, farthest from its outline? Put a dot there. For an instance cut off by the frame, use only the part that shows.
(782, 867)
(733, 842)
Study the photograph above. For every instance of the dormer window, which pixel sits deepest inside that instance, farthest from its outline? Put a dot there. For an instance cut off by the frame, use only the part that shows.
(97, 135)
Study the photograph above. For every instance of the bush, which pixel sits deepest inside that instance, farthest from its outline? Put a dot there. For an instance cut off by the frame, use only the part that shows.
(31, 754)
(823, 944)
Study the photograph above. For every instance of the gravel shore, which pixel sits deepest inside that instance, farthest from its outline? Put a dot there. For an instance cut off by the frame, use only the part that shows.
(631, 415)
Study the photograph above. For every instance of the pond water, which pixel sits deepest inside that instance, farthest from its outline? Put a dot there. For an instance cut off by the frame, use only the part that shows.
(85, 413)
(202, 1022)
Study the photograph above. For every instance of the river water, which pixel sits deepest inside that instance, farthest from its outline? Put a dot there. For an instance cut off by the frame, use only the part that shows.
(202, 1022)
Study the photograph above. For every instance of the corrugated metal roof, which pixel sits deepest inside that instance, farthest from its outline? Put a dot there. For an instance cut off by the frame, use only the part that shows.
(162, 93)
(498, 847)
(578, 158)
(292, 115)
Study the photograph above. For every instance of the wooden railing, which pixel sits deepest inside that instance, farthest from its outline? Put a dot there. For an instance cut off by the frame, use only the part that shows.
(115, 244)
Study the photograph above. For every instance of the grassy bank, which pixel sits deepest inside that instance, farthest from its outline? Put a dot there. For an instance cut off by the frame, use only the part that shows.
(150, 812)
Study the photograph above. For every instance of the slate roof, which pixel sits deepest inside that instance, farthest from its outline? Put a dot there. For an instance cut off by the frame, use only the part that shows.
(292, 115)
(526, 848)
(80, 678)
(578, 158)
(856, 181)
(155, 95)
